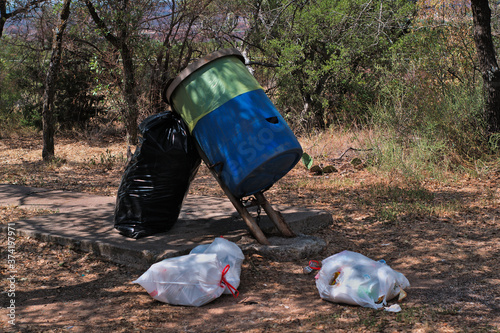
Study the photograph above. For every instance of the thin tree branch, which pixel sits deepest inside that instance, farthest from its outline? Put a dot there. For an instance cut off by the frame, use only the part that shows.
(345, 152)
(101, 25)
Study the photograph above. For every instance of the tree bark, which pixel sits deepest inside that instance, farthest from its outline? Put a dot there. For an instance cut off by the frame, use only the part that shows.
(3, 15)
(48, 121)
(129, 93)
(485, 49)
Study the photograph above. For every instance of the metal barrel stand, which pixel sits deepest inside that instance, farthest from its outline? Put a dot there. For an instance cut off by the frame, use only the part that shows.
(260, 200)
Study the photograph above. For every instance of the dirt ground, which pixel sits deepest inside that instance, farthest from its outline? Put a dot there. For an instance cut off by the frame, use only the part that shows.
(443, 236)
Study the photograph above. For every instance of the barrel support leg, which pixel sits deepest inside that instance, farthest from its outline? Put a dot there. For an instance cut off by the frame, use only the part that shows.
(245, 215)
(274, 216)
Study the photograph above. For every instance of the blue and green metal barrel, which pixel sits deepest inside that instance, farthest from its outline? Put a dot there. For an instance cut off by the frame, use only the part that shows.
(242, 134)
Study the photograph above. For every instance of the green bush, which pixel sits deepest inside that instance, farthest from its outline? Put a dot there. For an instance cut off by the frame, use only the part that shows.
(430, 100)
(326, 51)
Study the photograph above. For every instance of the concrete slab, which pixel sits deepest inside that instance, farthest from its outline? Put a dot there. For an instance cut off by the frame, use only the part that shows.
(56, 200)
(85, 222)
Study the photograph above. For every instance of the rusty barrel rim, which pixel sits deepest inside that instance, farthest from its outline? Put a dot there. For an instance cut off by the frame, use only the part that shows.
(197, 64)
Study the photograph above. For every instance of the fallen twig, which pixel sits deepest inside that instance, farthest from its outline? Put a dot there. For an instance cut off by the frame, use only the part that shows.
(350, 148)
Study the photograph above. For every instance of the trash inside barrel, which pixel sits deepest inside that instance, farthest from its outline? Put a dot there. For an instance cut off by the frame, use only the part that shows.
(242, 134)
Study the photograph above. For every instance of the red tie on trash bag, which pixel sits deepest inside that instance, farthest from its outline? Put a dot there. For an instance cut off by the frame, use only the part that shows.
(223, 282)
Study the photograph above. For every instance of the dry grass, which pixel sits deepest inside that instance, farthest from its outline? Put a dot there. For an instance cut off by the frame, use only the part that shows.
(443, 236)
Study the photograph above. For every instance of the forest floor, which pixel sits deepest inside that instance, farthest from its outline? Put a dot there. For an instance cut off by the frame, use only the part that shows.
(442, 235)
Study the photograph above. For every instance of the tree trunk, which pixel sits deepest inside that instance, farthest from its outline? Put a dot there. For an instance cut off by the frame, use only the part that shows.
(481, 14)
(155, 89)
(120, 43)
(50, 85)
(130, 96)
(3, 15)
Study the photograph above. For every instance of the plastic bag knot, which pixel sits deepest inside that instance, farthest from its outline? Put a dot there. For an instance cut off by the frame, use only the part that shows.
(223, 282)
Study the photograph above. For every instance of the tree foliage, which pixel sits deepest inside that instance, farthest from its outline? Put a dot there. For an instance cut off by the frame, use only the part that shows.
(16, 10)
(411, 65)
(430, 89)
(326, 51)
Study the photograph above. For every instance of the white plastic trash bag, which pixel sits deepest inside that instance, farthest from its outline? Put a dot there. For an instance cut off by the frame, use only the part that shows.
(193, 279)
(229, 254)
(351, 278)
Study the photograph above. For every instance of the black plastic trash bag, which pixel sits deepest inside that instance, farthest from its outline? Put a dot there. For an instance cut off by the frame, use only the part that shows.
(156, 180)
